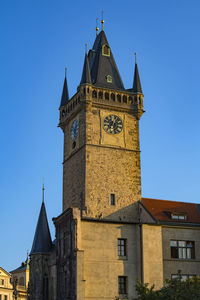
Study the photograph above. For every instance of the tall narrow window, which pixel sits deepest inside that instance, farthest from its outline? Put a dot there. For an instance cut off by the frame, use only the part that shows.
(122, 247)
(5, 297)
(112, 199)
(122, 285)
(45, 290)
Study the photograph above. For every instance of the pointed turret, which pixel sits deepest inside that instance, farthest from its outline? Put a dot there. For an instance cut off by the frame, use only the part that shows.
(42, 242)
(137, 88)
(65, 94)
(103, 69)
(86, 77)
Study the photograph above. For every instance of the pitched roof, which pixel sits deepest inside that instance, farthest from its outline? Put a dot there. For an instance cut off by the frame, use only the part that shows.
(6, 273)
(86, 77)
(161, 210)
(65, 94)
(103, 65)
(24, 266)
(42, 242)
(137, 87)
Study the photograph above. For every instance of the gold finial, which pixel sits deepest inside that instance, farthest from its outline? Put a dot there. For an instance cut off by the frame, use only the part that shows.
(102, 20)
(97, 28)
(43, 189)
(85, 48)
(135, 58)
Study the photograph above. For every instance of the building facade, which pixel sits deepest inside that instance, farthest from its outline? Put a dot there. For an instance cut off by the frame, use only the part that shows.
(15, 283)
(6, 288)
(107, 236)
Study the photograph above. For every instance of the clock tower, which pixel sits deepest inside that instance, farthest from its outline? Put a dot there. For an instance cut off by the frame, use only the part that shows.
(101, 163)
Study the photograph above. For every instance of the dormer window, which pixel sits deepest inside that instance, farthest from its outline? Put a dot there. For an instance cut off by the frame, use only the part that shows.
(109, 78)
(105, 50)
(178, 216)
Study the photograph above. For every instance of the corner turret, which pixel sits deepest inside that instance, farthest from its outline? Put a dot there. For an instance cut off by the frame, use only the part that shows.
(65, 93)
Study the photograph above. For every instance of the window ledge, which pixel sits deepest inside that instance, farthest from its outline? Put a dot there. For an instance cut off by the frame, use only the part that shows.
(122, 297)
(181, 259)
(120, 257)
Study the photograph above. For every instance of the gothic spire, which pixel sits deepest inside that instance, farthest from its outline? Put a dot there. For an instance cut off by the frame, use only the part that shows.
(103, 69)
(137, 88)
(65, 94)
(42, 242)
(86, 77)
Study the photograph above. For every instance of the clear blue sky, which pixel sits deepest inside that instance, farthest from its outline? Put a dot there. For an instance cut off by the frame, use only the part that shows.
(38, 39)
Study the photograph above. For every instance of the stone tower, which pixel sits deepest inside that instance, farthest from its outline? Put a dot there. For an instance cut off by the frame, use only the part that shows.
(101, 165)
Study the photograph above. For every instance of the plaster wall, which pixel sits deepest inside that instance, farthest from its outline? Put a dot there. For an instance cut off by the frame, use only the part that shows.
(172, 265)
(152, 255)
(102, 265)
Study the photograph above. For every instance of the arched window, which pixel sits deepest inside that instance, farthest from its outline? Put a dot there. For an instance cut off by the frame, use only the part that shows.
(100, 95)
(105, 50)
(94, 94)
(113, 97)
(119, 98)
(124, 99)
(130, 99)
(107, 96)
(21, 281)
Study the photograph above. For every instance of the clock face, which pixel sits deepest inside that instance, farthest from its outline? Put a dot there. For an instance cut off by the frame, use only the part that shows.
(74, 130)
(112, 124)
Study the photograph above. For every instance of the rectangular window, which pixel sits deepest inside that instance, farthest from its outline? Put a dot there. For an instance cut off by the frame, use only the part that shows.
(0, 297)
(112, 199)
(5, 297)
(122, 285)
(182, 249)
(184, 277)
(2, 281)
(122, 247)
(178, 217)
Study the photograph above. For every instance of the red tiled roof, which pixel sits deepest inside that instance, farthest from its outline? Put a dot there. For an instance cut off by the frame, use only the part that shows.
(161, 210)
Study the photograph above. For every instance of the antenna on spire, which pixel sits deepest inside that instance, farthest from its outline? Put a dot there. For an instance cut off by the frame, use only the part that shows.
(43, 191)
(85, 48)
(102, 20)
(135, 58)
(65, 72)
(97, 28)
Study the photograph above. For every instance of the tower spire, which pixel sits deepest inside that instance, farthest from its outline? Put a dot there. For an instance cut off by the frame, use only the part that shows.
(43, 189)
(97, 28)
(86, 76)
(65, 93)
(102, 20)
(137, 87)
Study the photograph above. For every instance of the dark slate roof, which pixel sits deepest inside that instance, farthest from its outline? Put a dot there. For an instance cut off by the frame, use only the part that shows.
(101, 66)
(65, 94)
(161, 210)
(86, 77)
(42, 242)
(137, 88)
(24, 266)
